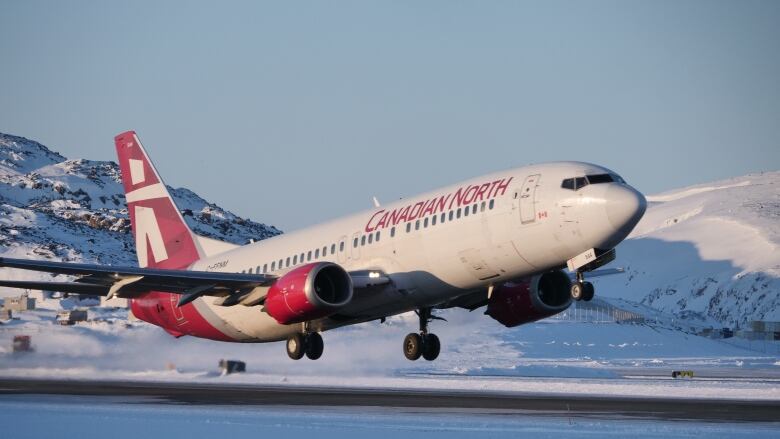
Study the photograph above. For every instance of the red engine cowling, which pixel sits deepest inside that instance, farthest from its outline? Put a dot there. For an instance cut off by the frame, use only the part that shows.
(530, 299)
(309, 292)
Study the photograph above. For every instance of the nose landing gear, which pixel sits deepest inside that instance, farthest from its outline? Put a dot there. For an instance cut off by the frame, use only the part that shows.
(423, 344)
(582, 290)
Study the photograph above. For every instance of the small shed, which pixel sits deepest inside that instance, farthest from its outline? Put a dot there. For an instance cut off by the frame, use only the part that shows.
(20, 303)
(71, 317)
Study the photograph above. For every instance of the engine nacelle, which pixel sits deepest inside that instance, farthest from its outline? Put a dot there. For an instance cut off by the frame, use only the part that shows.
(309, 292)
(530, 299)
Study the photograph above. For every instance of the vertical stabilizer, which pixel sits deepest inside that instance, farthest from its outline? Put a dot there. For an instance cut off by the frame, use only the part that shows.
(162, 238)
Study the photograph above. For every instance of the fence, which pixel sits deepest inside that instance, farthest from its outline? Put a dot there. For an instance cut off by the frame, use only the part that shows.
(598, 311)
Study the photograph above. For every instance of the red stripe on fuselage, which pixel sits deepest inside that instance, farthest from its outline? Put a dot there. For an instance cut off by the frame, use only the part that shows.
(160, 309)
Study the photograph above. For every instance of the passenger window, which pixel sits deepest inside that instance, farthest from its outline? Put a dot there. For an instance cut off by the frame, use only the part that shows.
(482, 207)
(317, 254)
(457, 214)
(474, 209)
(408, 227)
(377, 235)
(363, 240)
(273, 266)
(355, 243)
(491, 204)
(466, 211)
(392, 232)
(443, 217)
(425, 223)
(287, 263)
(451, 215)
(265, 268)
(341, 247)
(370, 238)
(417, 225)
(308, 256)
(433, 220)
(295, 260)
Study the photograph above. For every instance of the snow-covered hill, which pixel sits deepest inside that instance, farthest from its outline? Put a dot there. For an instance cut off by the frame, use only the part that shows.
(74, 210)
(701, 253)
(708, 253)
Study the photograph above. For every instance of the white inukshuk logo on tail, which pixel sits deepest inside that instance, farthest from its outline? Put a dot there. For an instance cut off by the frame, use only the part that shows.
(147, 226)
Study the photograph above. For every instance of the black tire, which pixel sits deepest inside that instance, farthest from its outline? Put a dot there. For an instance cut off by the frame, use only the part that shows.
(296, 345)
(588, 291)
(577, 291)
(314, 346)
(413, 346)
(431, 347)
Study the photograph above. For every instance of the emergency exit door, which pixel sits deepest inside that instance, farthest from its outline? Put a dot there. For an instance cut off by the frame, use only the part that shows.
(527, 198)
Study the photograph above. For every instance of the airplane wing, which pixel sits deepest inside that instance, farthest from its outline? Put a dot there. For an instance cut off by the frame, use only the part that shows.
(106, 280)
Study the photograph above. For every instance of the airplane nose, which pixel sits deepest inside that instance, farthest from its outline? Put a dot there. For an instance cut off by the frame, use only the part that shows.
(625, 207)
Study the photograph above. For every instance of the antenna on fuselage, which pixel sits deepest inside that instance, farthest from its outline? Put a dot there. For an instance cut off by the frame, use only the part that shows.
(376, 202)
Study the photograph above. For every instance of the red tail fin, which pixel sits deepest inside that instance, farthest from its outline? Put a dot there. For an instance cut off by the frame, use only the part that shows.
(162, 238)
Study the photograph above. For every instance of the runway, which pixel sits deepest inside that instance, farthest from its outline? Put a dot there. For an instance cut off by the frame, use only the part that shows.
(422, 400)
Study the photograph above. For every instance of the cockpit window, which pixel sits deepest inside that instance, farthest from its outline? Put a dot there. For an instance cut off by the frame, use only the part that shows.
(580, 182)
(600, 178)
(574, 183)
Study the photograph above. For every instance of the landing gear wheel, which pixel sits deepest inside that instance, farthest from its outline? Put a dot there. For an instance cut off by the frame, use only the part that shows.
(577, 291)
(413, 346)
(588, 291)
(296, 345)
(430, 346)
(314, 346)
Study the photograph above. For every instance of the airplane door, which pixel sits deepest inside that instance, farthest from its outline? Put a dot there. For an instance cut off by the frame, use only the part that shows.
(177, 312)
(527, 199)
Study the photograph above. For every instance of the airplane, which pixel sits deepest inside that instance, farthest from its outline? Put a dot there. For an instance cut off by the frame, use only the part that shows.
(500, 241)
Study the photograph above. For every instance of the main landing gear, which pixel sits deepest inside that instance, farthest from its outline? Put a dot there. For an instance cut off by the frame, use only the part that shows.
(310, 345)
(582, 290)
(422, 344)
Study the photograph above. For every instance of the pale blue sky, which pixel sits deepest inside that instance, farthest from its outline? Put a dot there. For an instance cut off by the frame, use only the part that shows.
(292, 113)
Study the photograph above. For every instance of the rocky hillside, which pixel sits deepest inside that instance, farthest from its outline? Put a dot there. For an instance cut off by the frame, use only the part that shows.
(708, 253)
(74, 210)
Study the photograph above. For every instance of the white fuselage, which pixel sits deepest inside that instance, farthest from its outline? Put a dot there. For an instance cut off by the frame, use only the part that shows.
(519, 222)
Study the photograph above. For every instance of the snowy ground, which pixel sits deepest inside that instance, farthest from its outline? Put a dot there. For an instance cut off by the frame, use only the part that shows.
(546, 357)
(99, 417)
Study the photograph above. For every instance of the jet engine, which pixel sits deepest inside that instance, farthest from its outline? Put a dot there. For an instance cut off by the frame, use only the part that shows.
(309, 292)
(530, 299)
